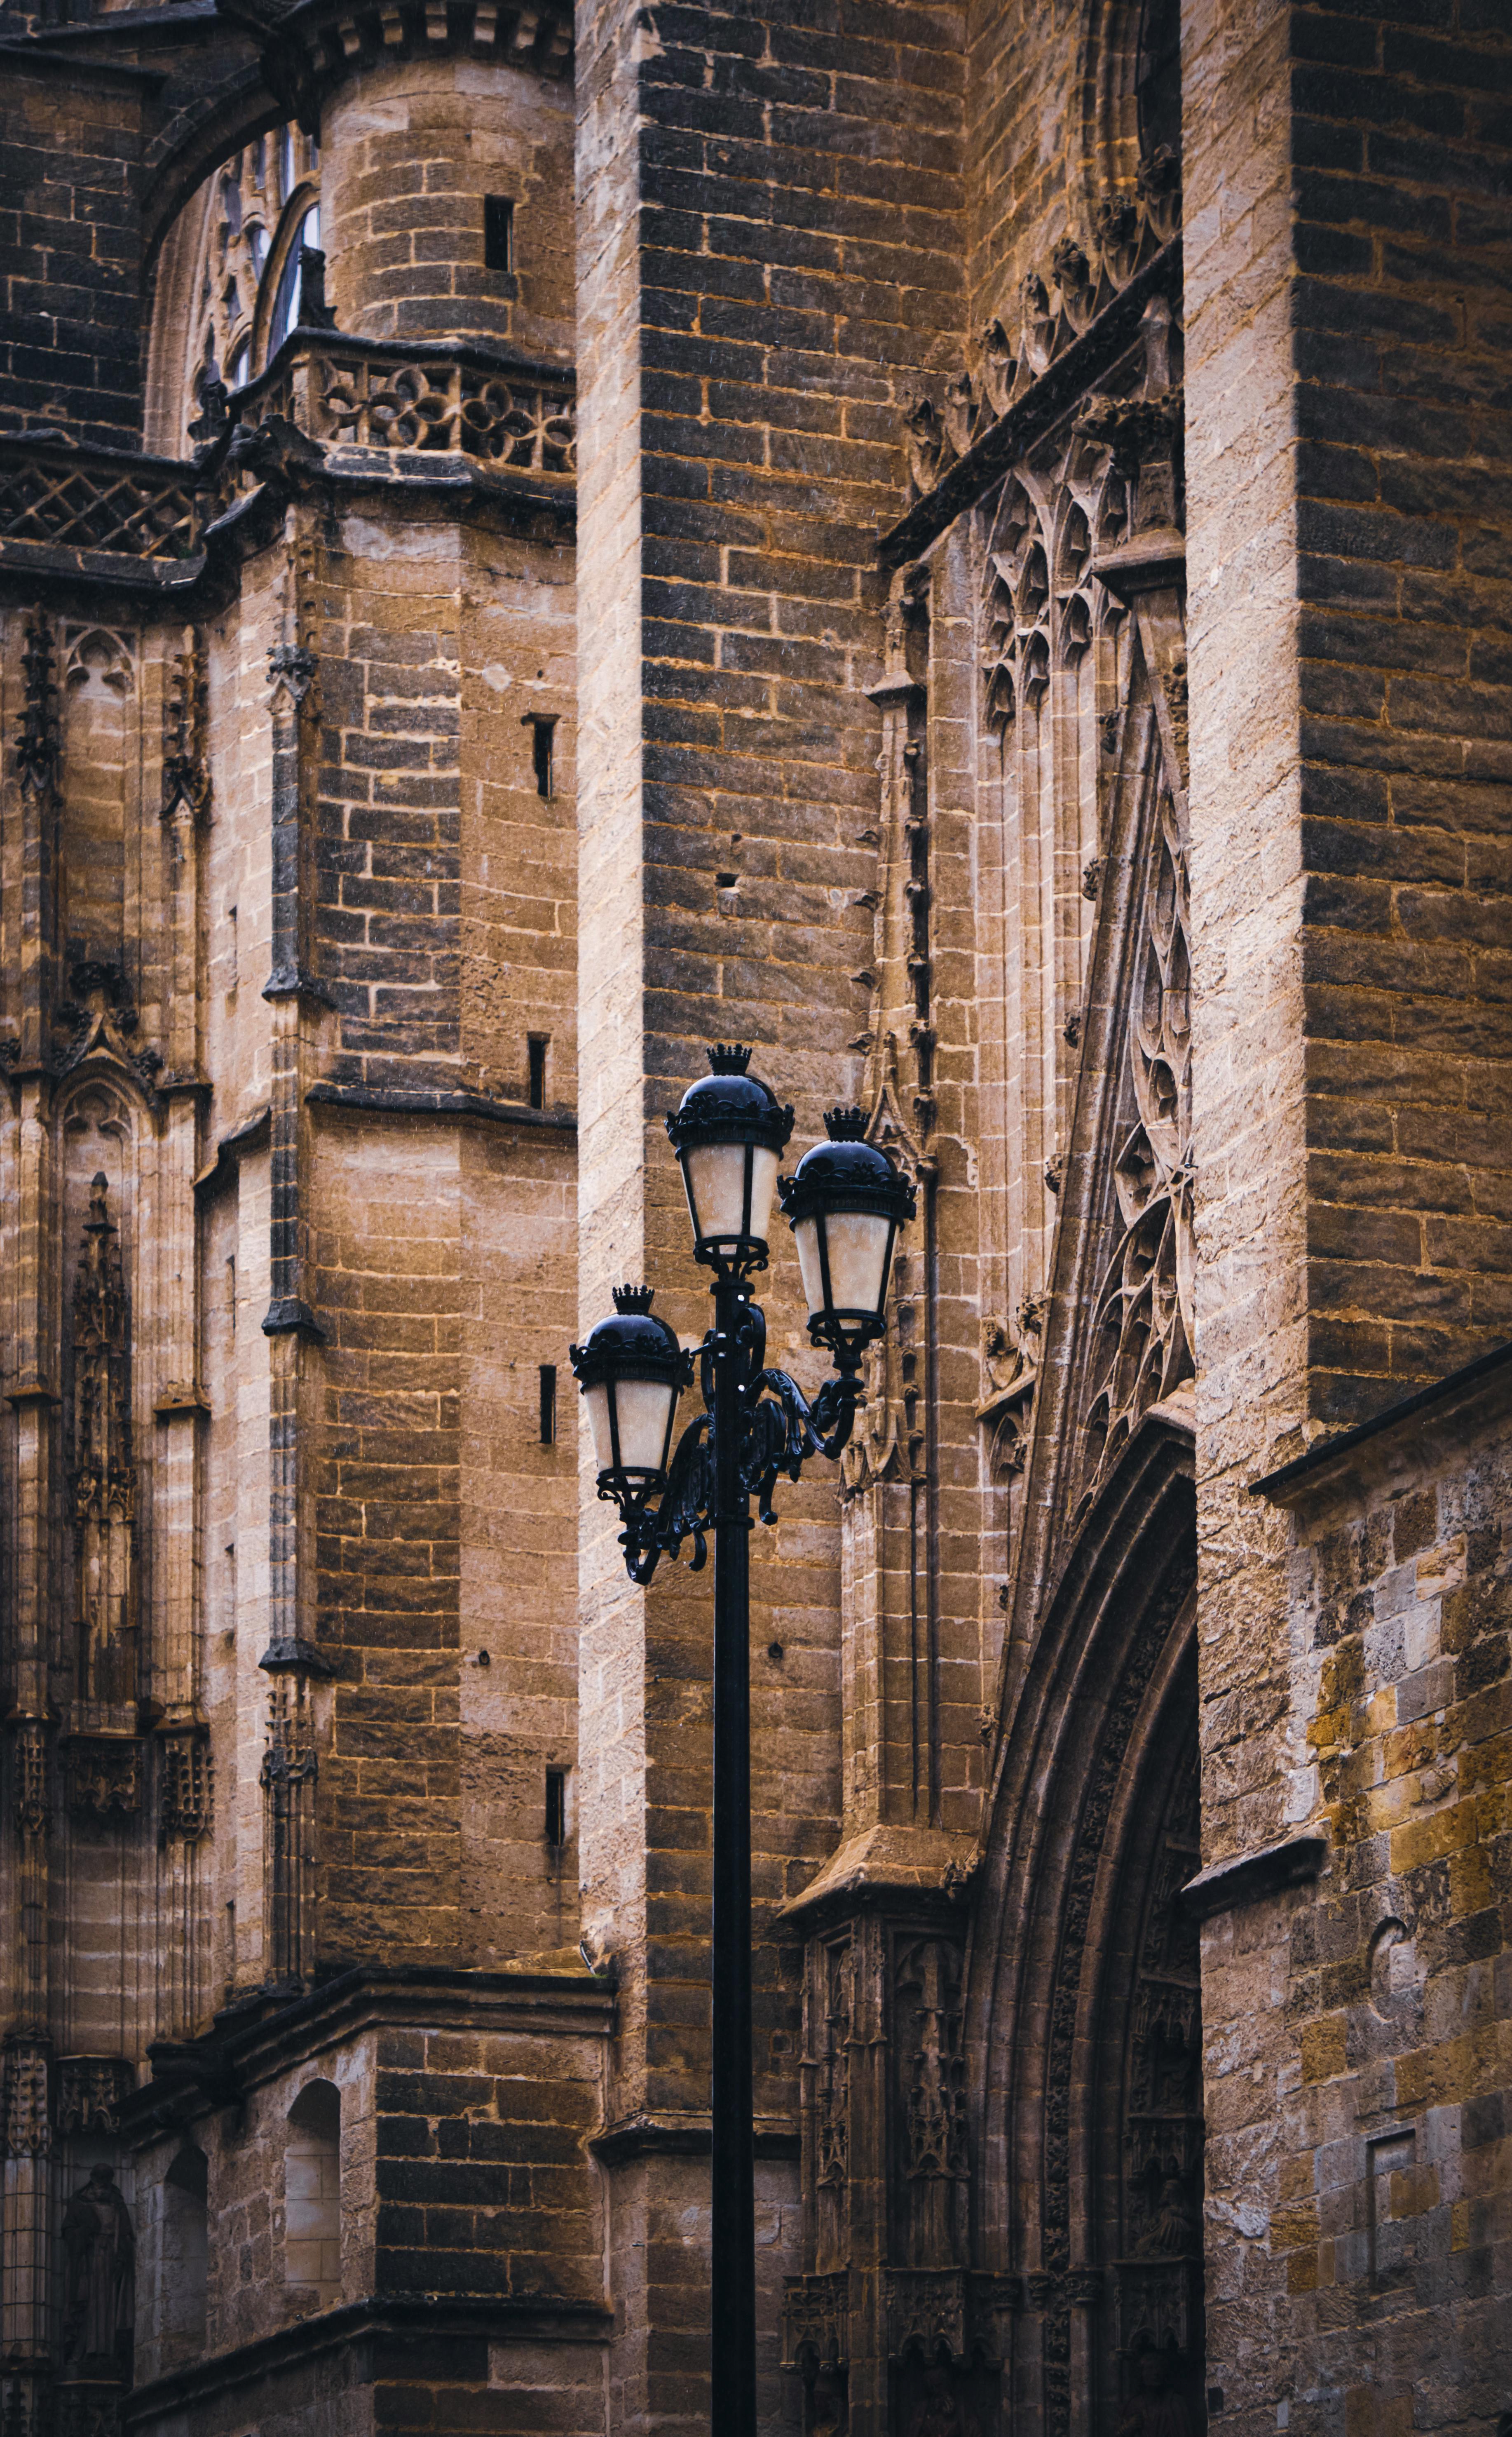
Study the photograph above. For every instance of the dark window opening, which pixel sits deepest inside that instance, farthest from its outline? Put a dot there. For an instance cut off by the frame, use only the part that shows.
(548, 1404)
(1157, 79)
(556, 1806)
(543, 752)
(536, 1045)
(498, 233)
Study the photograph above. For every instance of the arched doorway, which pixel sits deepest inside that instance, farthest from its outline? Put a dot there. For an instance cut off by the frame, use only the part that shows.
(1085, 2017)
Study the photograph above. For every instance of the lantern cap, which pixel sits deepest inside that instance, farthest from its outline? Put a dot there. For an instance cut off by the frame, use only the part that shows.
(845, 1173)
(729, 1105)
(636, 1344)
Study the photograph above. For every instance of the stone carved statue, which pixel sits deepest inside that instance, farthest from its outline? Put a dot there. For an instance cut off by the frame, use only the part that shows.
(1154, 2409)
(941, 2412)
(828, 2417)
(100, 2250)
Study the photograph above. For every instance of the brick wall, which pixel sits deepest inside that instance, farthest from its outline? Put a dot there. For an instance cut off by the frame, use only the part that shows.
(1362, 2158)
(764, 263)
(1402, 148)
(70, 341)
(407, 161)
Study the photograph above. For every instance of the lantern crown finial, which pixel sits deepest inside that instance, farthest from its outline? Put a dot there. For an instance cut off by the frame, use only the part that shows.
(846, 1125)
(637, 1299)
(729, 1058)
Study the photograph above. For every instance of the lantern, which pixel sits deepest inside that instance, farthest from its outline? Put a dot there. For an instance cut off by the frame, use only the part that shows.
(729, 1133)
(630, 1373)
(845, 1204)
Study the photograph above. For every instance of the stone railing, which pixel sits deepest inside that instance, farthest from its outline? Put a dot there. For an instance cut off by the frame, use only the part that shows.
(66, 498)
(426, 396)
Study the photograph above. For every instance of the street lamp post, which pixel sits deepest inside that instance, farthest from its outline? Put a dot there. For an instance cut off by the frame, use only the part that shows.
(845, 1204)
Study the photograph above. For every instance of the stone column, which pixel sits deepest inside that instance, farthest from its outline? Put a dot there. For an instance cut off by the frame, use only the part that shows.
(741, 436)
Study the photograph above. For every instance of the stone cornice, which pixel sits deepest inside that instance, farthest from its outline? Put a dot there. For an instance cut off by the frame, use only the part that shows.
(383, 1099)
(1425, 1433)
(1248, 1877)
(425, 2317)
(664, 2134)
(254, 2041)
(310, 48)
(903, 1868)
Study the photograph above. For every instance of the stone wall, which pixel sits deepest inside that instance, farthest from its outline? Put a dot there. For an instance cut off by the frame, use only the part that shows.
(1357, 2057)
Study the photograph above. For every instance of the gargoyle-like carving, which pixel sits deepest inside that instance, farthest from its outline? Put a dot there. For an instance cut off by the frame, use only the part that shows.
(185, 770)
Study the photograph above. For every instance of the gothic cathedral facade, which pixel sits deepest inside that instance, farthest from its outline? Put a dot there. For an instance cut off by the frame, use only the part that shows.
(968, 545)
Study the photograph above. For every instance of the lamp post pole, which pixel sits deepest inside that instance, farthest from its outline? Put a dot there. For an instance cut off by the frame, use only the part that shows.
(844, 1206)
(732, 2113)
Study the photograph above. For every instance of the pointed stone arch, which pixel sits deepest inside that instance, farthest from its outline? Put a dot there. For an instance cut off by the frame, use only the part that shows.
(1082, 2024)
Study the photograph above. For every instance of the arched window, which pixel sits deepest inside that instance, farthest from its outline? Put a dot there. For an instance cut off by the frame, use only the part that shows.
(229, 278)
(1157, 79)
(312, 2193)
(186, 2256)
(284, 315)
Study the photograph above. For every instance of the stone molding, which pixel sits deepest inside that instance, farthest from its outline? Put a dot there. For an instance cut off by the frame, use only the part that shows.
(897, 1867)
(1423, 1434)
(1066, 380)
(1250, 1877)
(422, 2316)
(664, 2135)
(262, 2035)
(378, 1099)
(309, 50)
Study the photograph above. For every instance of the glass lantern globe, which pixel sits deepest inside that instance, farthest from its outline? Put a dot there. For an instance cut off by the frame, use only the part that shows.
(845, 1203)
(632, 1372)
(729, 1131)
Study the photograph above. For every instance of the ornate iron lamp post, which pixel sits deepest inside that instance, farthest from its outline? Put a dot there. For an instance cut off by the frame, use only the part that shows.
(845, 1204)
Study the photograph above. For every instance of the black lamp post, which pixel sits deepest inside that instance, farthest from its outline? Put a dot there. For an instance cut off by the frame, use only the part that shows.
(846, 1205)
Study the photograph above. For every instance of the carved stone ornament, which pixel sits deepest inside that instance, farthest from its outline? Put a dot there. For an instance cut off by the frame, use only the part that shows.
(102, 1486)
(185, 1761)
(185, 769)
(1010, 1374)
(935, 2105)
(291, 674)
(832, 2095)
(37, 737)
(1017, 346)
(28, 2123)
(102, 1775)
(816, 2320)
(29, 1775)
(1143, 1330)
(927, 2309)
(90, 2091)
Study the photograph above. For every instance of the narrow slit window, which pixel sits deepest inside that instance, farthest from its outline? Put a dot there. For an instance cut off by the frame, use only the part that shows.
(556, 1807)
(548, 1404)
(536, 1045)
(543, 753)
(498, 233)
